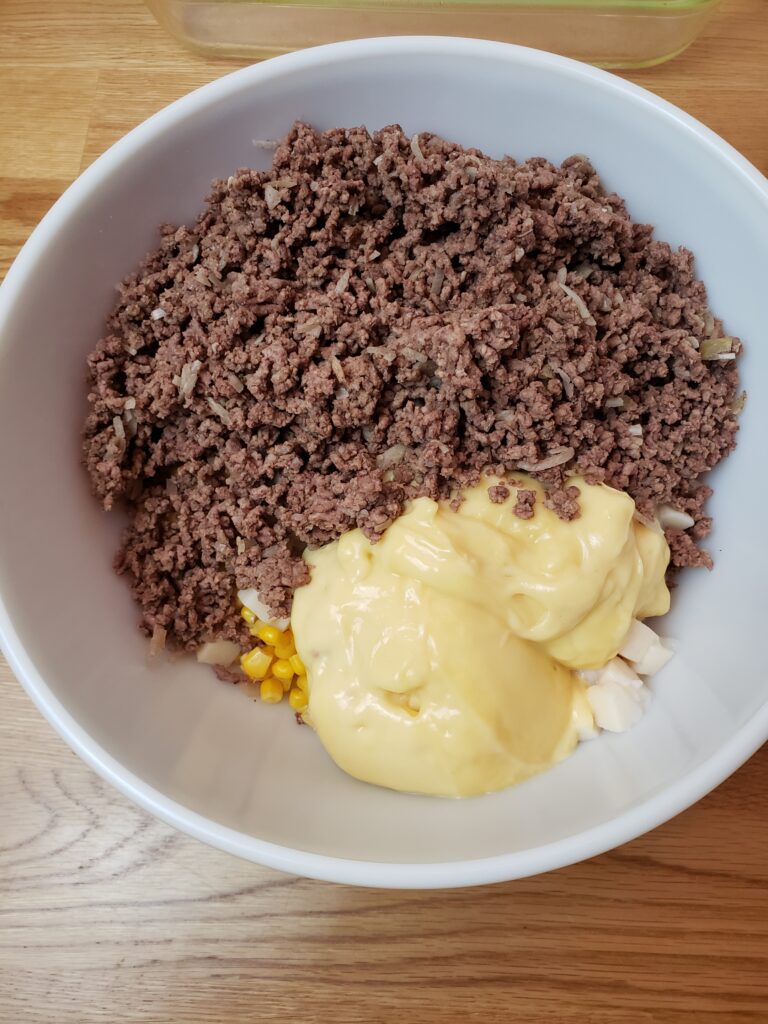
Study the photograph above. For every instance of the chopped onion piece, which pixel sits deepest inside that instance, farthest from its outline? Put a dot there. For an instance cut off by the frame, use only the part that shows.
(250, 598)
(711, 348)
(672, 519)
(272, 197)
(416, 148)
(312, 327)
(437, 282)
(218, 652)
(131, 422)
(392, 456)
(579, 302)
(414, 355)
(738, 403)
(338, 369)
(557, 458)
(157, 641)
(567, 382)
(187, 379)
(218, 409)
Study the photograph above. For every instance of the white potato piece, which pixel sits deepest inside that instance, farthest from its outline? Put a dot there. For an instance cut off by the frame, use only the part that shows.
(638, 642)
(616, 706)
(618, 671)
(644, 649)
(654, 660)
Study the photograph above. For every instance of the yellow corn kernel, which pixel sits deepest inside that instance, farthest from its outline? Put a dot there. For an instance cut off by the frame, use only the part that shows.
(282, 669)
(248, 615)
(284, 650)
(256, 663)
(256, 625)
(301, 682)
(270, 635)
(298, 665)
(271, 691)
(297, 699)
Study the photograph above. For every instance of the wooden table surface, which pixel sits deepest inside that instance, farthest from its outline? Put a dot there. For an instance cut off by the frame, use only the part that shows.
(108, 915)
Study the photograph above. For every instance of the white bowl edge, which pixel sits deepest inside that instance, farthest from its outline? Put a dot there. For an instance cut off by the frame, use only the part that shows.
(630, 824)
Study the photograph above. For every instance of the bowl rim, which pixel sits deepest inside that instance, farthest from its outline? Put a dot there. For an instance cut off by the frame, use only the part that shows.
(637, 819)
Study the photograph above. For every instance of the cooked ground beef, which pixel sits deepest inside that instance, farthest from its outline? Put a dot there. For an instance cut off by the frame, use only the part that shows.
(499, 494)
(525, 504)
(377, 318)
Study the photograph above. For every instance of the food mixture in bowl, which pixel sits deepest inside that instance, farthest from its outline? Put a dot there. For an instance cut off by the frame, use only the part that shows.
(447, 417)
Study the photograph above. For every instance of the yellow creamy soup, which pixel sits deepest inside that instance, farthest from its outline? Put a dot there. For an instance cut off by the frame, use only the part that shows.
(439, 659)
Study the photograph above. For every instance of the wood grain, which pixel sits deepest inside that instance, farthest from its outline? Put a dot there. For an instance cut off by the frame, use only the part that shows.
(107, 915)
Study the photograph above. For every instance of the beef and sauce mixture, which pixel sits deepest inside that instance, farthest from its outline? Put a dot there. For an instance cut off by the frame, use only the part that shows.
(381, 331)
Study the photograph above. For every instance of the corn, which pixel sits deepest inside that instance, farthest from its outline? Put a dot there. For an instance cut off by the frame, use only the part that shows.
(297, 699)
(271, 691)
(297, 665)
(270, 635)
(282, 669)
(273, 664)
(256, 663)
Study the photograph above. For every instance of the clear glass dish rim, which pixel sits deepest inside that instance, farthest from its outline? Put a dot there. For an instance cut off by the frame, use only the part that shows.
(532, 6)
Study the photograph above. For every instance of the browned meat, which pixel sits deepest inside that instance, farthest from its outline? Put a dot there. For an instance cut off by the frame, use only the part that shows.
(377, 318)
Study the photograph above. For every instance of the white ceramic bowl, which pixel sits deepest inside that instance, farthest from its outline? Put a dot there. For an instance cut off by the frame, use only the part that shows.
(243, 777)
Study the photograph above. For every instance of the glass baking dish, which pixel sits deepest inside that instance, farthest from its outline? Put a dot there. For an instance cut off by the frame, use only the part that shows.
(610, 33)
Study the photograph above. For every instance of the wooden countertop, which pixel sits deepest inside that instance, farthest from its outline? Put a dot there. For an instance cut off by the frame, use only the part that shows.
(108, 915)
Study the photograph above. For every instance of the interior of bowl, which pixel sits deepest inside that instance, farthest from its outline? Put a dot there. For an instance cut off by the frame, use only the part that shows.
(189, 743)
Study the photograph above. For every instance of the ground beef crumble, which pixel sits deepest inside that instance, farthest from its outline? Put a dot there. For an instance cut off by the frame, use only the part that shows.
(498, 494)
(377, 318)
(525, 503)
